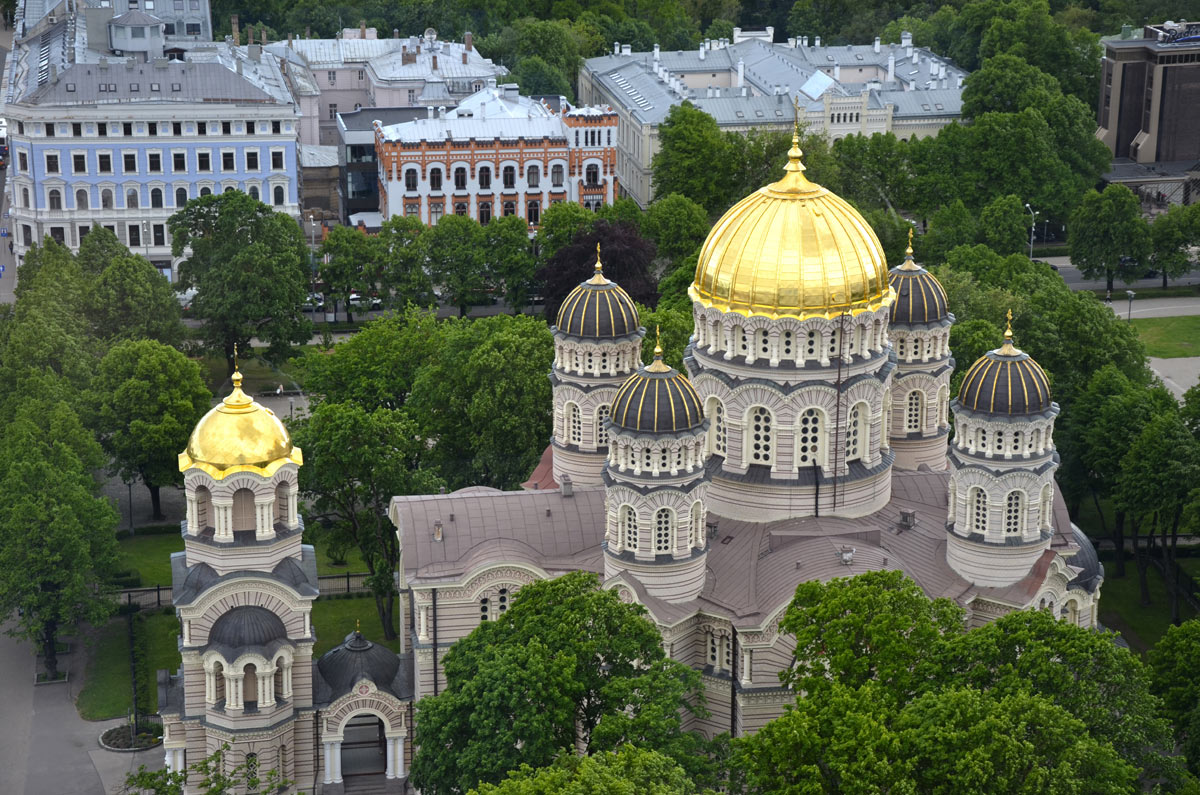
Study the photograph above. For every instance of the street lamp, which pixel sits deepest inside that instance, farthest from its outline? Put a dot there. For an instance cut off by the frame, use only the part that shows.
(1129, 313)
(1032, 223)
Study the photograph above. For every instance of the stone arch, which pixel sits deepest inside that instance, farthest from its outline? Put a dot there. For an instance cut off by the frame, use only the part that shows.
(250, 683)
(858, 437)
(243, 517)
(204, 509)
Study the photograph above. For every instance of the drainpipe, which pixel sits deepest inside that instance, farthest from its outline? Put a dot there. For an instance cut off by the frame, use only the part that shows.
(435, 643)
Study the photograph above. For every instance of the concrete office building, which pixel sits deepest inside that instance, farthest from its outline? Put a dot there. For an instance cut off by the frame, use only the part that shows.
(750, 82)
(124, 136)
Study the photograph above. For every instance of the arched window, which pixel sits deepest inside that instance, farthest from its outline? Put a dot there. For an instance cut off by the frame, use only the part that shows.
(251, 766)
(277, 195)
(243, 510)
(206, 191)
(761, 441)
(602, 425)
(485, 177)
(181, 195)
(24, 197)
(533, 212)
(250, 685)
(716, 426)
(131, 198)
(218, 682)
(81, 199)
(762, 344)
(156, 199)
(55, 199)
(410, 179)
(460, 208)
(574, 424)
(663, 526)
(252, 191)
(556, 176)
(228, 189)
(435, 179)
(281, 502)
(808, 438)
(885, 420)
(943, 405)
(203, 508)
(533, 176)
(106, 199)
(592, 175)
(485, 213)
(915, 411)
(1014, 503)
(1047, 504)
(509, 175)
(697, 525)
(629, 528)
(510, 208)
(977, 508)
(856, 441)
(460, 178)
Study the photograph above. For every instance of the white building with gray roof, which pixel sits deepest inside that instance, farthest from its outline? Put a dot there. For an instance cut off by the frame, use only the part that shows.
(750, 82)
(123, 136)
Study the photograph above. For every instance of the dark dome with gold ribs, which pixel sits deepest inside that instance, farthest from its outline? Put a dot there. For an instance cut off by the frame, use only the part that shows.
(657, 399)
(920, 298)
(1005, 381)
(598, 309)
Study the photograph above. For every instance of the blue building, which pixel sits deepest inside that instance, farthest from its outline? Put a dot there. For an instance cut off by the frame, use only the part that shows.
(123, 137)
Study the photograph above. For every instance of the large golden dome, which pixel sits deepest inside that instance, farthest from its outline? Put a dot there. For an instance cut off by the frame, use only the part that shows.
(239, 435)
(792, 249)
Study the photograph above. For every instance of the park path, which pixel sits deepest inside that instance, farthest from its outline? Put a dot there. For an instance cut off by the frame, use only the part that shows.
(45, 747)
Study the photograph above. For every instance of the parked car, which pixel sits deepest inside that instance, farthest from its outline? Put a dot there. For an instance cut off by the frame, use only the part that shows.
(357, 301)
(314, 302)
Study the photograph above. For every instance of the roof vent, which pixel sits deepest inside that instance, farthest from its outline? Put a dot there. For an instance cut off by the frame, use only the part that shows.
(908, 519)
(437, 531)
(847, 555)
(568, 488)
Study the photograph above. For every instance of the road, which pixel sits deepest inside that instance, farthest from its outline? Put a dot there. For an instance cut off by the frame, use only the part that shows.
(1075, 280)
(1155, 307)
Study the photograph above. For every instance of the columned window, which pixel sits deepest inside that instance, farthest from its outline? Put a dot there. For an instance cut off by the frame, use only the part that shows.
(808, 438)
(663, 542)
(601, 425)
(885, 424)
(855, 437)
(977, 507)
(914, 411)
(943, 405)
(697, 525)
(629, 528)
(1047, 503)
(574, 424)
(716, 426)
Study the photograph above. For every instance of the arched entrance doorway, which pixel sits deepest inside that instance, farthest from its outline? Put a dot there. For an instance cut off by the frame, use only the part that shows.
(364, 751)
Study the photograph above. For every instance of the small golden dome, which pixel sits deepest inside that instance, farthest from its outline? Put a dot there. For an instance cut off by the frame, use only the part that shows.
(239, 435)
(792, 249)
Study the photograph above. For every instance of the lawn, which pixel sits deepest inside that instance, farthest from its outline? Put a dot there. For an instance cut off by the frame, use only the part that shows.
(1121, 608)
(1170, 337)
(107, 691)
(334, 619)
(150, 556)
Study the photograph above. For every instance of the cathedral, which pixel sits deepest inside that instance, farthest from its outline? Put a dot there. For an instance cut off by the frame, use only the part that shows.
(809, 438)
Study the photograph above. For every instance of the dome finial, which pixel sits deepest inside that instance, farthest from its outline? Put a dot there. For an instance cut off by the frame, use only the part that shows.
(658, 366)
(909, 264)
(598, 274)
(1008, 349)
(237, 375)
(794, 154)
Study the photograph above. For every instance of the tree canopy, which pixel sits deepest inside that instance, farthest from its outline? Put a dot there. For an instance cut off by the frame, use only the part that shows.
(1108, 236)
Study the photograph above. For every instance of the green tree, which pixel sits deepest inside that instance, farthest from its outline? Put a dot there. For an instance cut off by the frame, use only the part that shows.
(953, 225)
(1108, 236)
(376, 367)
(483, 400)
(677, 225)
(1173, 679)
(622, 211)
(358, 460)
(1171, 237)
(675, 325)
(452, 250)
(561, 223)
(625, 770)
(248, 264)
(130, 299)
(352, 264)
(568, 665)
(509, 258)
(874, 170)
(673, 287)
(876, 627)
(403, 271)
(1104, 686)
(143, 403)
(757, 157)
(1004, 225)
(535, 77)
(212, 774)
(57, 545)
(692, 158)
(48, 253)
(98, 249)
(1006, 84)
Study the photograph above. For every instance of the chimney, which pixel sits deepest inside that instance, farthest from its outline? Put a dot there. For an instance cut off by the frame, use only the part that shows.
(770, 33)
(905, 38)
(567, 488)
(891, 66)
(238, 61)
(837, 71)
(804, 41)
(429, 110)
(307, 32)
(254, 51)
(817, 41)
(289, 41)
(437, 531)
(362, 28)
(701, 52)
(464, 57)
(237, 34)
(627, 49)
(435, 63)
(656, 52)
(959, 83)
(441, 111)
(616, 48)
(263, 31)
(741, 80)
(876, 44)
